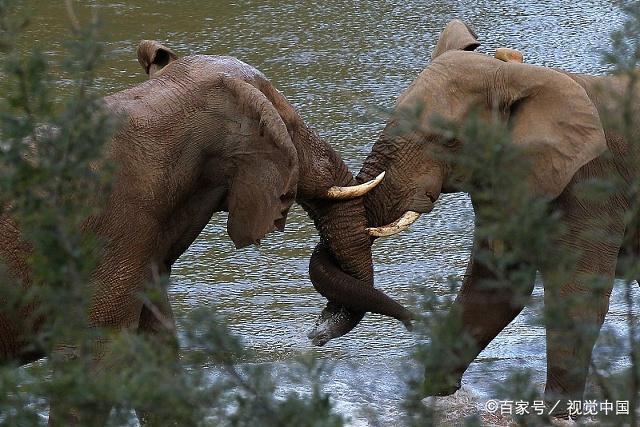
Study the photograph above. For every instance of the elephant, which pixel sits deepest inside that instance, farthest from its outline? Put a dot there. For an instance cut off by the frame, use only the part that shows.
(204, 134)
(557, 120)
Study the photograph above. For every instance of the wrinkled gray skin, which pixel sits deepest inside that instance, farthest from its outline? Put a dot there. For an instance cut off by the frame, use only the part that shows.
(555, 117)
(204, 134)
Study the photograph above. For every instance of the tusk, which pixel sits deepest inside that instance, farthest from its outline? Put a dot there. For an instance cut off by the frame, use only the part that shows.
(507, 54)
(343, 193)
(401, 224)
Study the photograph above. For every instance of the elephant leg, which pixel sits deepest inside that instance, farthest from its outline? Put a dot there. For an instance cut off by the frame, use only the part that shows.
(62, 412)
(576, 302)
(115, 306)
(480, 311)
(157, 323)
(156, 318)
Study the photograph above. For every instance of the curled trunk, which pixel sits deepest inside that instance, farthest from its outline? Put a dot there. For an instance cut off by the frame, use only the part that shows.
(341, 225)
(341, 267)
(344, 289)
(377, 211)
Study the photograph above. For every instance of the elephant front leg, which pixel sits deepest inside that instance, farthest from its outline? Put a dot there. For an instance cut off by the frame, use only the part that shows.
(156, 317)
(578, 282)
(157, 324)
(485, 305)
(114, 311)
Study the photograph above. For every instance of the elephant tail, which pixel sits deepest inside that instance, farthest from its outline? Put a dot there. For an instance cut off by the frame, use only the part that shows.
(338, 287)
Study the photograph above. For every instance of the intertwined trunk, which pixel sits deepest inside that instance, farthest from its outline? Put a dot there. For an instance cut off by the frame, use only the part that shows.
(377, 202)
(340, 223)
(341, 267)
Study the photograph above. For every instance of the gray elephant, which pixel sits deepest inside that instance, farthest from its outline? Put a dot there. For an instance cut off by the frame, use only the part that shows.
(554, 117)
(204, 134)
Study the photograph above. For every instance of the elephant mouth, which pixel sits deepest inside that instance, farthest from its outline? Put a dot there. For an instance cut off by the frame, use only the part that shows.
(280, 220)
(422, 203)
(278, 224)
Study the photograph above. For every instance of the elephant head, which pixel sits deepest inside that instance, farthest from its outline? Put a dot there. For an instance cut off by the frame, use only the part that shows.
(549, 115)
(298, 166)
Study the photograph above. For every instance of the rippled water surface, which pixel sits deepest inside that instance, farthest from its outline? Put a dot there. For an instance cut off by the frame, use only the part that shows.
(342, 64)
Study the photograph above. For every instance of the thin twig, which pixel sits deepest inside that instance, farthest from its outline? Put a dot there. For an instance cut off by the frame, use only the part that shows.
(75, 23)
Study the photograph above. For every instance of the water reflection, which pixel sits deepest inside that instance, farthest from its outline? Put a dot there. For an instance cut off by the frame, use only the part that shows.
(342, 64)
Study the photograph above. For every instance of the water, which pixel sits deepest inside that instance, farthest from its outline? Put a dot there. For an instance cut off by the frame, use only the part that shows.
(342, 65)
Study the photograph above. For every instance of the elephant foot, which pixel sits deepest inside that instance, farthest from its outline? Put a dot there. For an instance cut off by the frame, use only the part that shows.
(442, 388)
(333, 322)
(563, 422)
(449, 410)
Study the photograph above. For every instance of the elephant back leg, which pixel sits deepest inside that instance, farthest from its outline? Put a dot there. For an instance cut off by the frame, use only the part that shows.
(485, 305)
(578, 277)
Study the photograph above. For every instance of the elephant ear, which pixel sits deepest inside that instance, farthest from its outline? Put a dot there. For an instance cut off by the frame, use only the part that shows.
(553, 119)
(264, 181)
(153, 56)
(456, 36)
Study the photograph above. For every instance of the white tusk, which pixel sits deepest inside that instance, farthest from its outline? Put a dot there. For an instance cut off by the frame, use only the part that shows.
(343, 193)
(401, 224)
(507, 54)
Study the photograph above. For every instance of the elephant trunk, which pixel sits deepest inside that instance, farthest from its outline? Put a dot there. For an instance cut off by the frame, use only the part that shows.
(342, 229)
(341, 267)
(346, 290)
(343, 237)
(340, 223)
(377, 211)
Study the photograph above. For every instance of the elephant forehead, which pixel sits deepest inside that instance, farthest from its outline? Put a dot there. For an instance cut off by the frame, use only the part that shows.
(466, 59)
(450, 84)
(199, 71)
(228, 65)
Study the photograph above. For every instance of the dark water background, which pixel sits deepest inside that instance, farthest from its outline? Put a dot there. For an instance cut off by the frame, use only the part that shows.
(342, 63)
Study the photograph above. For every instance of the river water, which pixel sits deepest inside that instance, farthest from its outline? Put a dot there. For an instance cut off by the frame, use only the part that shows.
(342, 64)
